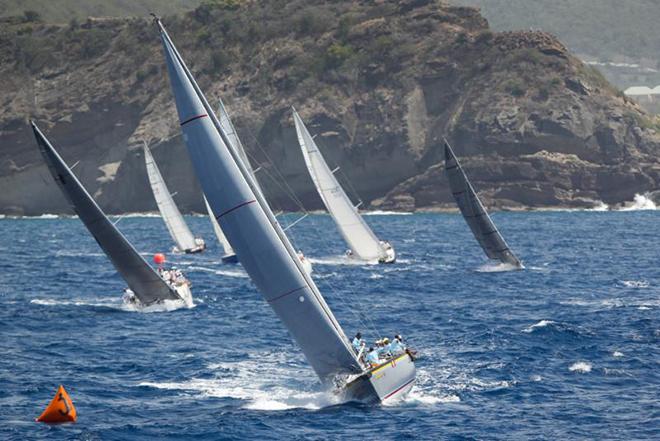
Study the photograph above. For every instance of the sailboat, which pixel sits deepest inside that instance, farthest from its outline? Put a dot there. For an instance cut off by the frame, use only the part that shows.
(360, 238)
(145, 284)
(266, 253)
(475, 214)
(176, 225)
(235, 143)
(229, 256)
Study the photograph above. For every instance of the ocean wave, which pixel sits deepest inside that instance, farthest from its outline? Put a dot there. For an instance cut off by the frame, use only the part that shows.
(237, 272)
(635, 283)
(537, 325)
(386, 213)
(640, 202)
(617, 354)
(492, 267)
(581, 367)
(115, 303)
(341, 260)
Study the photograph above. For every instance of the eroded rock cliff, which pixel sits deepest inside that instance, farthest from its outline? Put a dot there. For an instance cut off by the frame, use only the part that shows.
(379, 82)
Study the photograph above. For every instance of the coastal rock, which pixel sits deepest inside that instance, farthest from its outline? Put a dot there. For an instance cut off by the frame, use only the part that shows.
(379, 84)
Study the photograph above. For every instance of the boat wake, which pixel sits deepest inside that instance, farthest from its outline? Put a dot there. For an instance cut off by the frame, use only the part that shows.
(237, 272)
(386, 213)
(341, 260)
(635, 283)
(492, 267)
(116, 303)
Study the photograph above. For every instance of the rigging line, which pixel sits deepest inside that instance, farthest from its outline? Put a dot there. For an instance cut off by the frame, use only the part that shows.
(283, 181)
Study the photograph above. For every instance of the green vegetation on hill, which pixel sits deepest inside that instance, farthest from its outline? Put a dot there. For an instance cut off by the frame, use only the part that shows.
(597, 28)
(62, 11)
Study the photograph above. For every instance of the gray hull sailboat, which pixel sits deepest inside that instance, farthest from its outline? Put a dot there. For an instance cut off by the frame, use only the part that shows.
(360, 238)
(235, 143)
(475, 214)
(266, 253)
(176, 225)
(144, 282)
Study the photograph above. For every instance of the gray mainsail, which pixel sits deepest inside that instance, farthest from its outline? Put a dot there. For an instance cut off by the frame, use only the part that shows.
(475, 214)
(170, 213)
(262, 247)
(140, 277)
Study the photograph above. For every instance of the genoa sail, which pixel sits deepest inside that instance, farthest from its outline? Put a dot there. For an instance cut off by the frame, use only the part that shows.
(174, 221)
(355, 231)
(226, 246)
(255, 235)
(140, 277)
(475, 214)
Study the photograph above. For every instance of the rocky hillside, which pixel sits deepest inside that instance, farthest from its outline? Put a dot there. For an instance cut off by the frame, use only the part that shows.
(380, 82)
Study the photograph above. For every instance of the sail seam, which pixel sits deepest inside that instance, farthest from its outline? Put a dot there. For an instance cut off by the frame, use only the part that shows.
(235, 208)
(286, 294)
(193, 118)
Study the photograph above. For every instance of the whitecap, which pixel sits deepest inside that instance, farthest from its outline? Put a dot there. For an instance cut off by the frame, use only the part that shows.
(540, 324)
(341, 260)
(640, 202)
(580, 366)
(237, 272)
(617, 354)
(492, 267)
(635, 283)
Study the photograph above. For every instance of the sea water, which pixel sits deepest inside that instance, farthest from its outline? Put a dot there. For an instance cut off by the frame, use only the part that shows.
(566, 349)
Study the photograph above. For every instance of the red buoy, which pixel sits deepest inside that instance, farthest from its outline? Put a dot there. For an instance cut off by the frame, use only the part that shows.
(159, 258)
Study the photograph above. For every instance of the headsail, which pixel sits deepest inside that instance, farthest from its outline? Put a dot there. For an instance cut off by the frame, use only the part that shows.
(262, 247)
(355, 231)
(174, 221)
(226, 246)
(140, 277)
(475, 215)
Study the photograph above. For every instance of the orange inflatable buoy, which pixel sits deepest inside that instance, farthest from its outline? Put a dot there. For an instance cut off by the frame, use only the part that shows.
(159, 258)
(60, 409)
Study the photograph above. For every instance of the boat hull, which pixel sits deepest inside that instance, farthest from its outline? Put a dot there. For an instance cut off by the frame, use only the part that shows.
(195, 250)
(230, 258)
(389, 381)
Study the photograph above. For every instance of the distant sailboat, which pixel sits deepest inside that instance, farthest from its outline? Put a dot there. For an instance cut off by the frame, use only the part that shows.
(144, 282)
(236, 144)
(266, 253)
(176, 225)
(229, 256)
(362, 241)
(475, 214)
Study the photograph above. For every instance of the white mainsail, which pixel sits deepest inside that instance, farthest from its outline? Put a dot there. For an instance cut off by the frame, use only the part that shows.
(174, 221)
(355, 231)
(226, 246)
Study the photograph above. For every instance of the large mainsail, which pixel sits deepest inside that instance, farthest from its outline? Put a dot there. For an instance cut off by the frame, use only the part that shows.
(475, 214)
(140, 277)
(355, 231)
(261, 245)
(226, 246)
(174, 221)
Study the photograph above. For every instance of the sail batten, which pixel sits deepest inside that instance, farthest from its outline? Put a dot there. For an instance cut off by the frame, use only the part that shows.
(252, 230)
(484, 230)
(172, 217)
(140, 277)
(355, 231)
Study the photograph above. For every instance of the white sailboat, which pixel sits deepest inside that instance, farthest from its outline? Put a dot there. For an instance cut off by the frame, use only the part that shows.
(176, 225)
(229, 256)
(267, 255)
(360, 238)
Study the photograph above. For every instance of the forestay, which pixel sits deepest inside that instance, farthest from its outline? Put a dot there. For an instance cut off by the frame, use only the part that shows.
(260, 244)
(226, 246)
(355, 231)
(140, 277)
(473, 211)
(174, 221)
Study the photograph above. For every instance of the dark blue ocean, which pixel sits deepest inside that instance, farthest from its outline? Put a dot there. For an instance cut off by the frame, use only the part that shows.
(567, 349)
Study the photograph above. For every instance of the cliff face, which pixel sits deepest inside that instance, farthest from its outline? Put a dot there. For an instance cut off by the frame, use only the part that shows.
(380, 83)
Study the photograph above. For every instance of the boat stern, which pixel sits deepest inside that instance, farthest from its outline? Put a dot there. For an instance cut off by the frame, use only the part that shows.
(389, 381)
